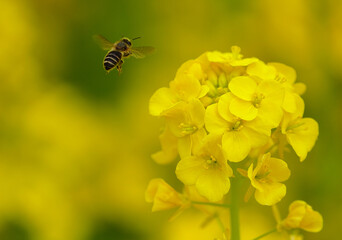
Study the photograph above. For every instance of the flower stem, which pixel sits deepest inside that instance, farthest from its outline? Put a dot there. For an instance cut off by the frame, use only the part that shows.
(234, 209)
(265, 234)
(276, 213)
(212, 204)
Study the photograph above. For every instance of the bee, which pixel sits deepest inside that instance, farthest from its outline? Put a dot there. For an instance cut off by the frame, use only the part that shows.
(120, 50)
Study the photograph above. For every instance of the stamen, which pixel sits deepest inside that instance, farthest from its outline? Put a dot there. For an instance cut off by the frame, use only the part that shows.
(210, 163)
(263, 175)
(280, 78)
(237, 126)
(257, 100)
(187, 128)
(213, 159)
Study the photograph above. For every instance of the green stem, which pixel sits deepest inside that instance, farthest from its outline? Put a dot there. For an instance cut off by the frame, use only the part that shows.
(212, 204)
(276, 213)
(234, 209)
(265, 234)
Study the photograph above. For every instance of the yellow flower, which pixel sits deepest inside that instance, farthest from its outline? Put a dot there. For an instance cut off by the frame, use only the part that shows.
(219, 68)
(252, 99)
(204, 78)
(266, 178)
(185, 86)
(162, 195)
(162, 100)
(186, 122)
(301, 133)
(287, 76)
(302, 216)
(169, 149)
(238, 136)
(261, 70)
(283, 74)
(234, 58)
(207, 170)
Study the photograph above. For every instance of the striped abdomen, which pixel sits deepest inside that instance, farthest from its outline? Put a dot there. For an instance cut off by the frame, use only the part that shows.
(112, 59)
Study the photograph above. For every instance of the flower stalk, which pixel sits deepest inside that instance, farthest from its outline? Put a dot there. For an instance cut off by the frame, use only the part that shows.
(265, 234)
(234, 209)
(211, 204)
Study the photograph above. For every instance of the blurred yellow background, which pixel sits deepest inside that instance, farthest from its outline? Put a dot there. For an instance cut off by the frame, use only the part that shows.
(75, 143)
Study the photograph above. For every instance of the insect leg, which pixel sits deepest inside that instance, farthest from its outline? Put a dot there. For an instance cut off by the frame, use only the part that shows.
(119, 66)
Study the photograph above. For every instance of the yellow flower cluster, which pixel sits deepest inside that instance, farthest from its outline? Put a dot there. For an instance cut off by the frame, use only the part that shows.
(227, 116)
(222, 108)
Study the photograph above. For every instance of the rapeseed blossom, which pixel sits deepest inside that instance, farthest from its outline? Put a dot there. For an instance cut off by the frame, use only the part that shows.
(302, 216)
(252, 99)
(301, 133)
(162, 195)
(227, 117)
(266, 178)
(238, 136)
(207, 170)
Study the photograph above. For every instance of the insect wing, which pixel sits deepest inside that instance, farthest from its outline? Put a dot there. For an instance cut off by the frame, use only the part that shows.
(103, 42)
(141, 52)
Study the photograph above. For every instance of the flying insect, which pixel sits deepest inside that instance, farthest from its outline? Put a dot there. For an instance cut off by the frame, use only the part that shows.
(120, 50)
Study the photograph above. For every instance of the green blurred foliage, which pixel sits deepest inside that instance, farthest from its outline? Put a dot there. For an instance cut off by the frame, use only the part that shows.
(75, 142)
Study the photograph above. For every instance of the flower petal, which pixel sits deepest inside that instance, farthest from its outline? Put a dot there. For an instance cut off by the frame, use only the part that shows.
(303, 138)
(258, 125)
(161, 100)
(197, 139)
(299, 88)
(301, 215)
(184, 145)
(289, 103)
(243, 109)
(169, 150)
(243, 87)
(213, 185)
(288, 72)
(312, 222)
(218, 57)
(261, 70)
(255, 138)
(214, 123)
(271, 194)
(243, 62)
(196, 112)
(175, 116)
(279, 170)
(270, 113)
(272, 91)
(162, 195)
(189, 169)
(186, 86)
(191, 67)
(251, 173)
(235, 145)
(224, 105)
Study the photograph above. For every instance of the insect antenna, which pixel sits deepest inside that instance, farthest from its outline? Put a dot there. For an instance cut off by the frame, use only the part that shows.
(136, 38)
